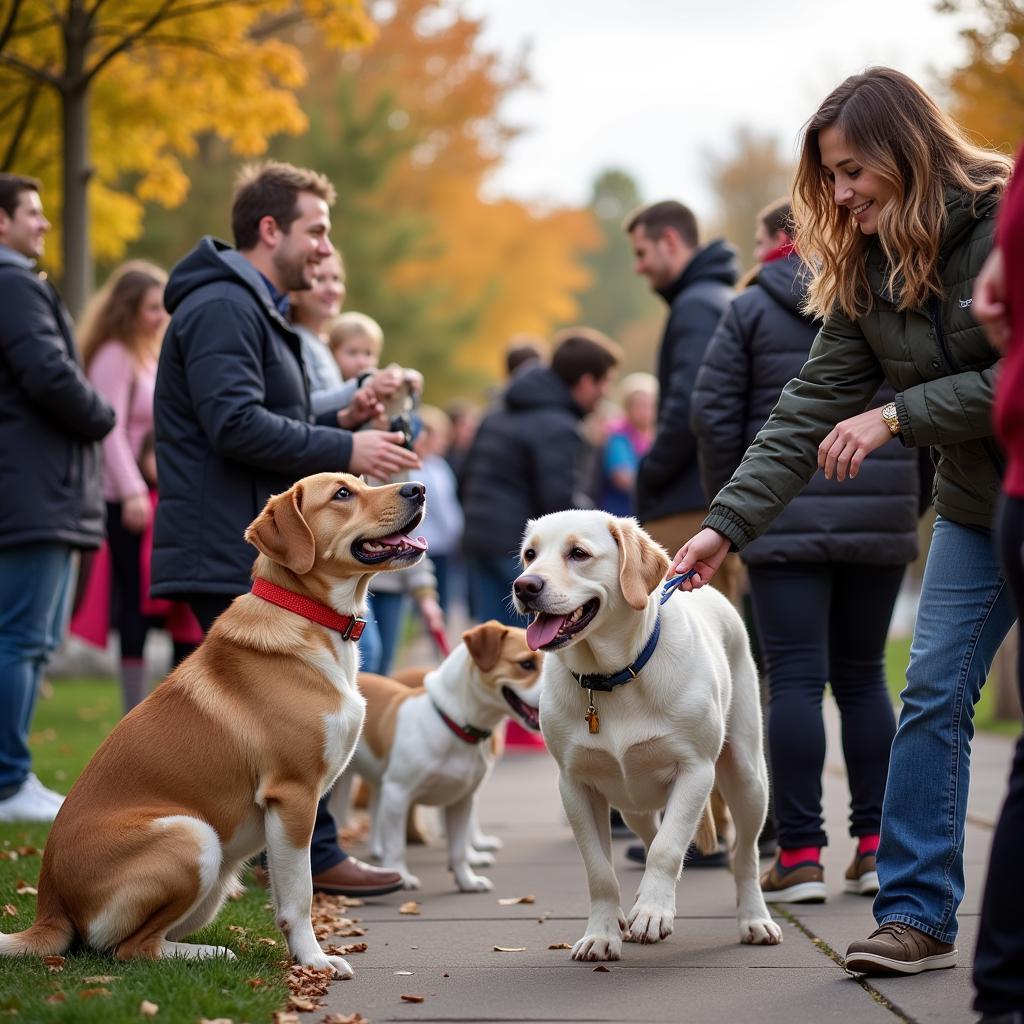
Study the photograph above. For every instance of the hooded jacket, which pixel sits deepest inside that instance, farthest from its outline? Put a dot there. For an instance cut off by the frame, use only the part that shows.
(761, 344)
(51, 419)
(668, 477)
(936, 358)
(524, 462)
(232, 420)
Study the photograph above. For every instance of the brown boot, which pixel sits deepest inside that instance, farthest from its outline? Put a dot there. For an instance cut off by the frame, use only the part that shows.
(861, 876)
(351, 877)
(802, 883)
(897, 948)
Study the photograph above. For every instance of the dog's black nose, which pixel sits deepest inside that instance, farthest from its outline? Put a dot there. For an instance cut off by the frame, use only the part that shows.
(528, 587)
(414, 492)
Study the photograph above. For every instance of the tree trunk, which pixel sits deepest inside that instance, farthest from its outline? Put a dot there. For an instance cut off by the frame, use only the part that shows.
(79, 271)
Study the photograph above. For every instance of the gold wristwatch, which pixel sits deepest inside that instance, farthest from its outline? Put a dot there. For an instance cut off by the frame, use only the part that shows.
(891, 417)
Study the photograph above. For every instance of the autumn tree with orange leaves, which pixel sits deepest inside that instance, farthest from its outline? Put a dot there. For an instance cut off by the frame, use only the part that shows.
(102, 99)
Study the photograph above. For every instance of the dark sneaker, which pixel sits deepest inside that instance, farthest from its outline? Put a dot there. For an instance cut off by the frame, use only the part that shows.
(861, 876)
(897, 948)
(717, 858)
(802, 883)
(620, 830)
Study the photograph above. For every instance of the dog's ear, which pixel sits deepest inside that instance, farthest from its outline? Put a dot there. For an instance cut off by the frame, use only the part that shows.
(642, 563)
(281, 533)
(484, 643)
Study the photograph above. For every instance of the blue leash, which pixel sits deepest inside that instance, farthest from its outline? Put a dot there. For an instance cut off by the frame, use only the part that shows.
(673, 584)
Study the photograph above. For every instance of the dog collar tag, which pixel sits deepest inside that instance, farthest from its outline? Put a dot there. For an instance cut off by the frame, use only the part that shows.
(591, 717)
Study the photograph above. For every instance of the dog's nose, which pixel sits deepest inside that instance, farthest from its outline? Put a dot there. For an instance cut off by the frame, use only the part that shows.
(414, 492)
(528, 587)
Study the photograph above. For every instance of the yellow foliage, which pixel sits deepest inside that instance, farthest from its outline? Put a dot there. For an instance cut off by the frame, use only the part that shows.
(185, 69)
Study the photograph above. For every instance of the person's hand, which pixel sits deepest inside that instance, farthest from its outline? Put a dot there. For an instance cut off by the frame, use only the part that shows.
(364, 407)
(989, 306)
(414, 379)
(136, 512)
(380, 453)
(387, 381)
(433, 614)
(705, 552)
(849, 443)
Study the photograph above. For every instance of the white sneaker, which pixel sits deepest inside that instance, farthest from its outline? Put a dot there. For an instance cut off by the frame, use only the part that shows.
(27, 805)
(40, 790)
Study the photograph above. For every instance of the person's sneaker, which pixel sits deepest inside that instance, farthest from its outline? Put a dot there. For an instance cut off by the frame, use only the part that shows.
(352, 877)
(802, 883)
(47, 794)
(717, 858)
(27, 804)
(861, 876)
(620, 830)
(898, 948)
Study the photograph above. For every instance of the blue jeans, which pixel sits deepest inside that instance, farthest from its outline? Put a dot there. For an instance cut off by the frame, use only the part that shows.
(387, 610)
(490, 588)
(35, 588)
(964, 615)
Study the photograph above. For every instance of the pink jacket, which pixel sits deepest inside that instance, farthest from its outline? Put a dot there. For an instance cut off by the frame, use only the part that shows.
(128, 387)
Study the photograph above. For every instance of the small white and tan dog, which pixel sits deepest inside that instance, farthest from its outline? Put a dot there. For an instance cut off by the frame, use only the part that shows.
(233, 750)
(433, 744)
(644, 707)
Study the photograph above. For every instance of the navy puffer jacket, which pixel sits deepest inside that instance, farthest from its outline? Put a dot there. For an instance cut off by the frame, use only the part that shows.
(761, 344)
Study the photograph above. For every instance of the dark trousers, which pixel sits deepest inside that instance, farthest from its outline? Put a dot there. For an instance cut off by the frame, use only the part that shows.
(125, 546)
(490, 588)
(999, 959)
(324, 851)
(825, 623)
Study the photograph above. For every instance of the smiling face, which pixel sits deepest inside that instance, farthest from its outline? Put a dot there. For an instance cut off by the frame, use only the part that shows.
(335, 524)
(24, 231)
(860, 190)
(509, 671)
(580, 568)
(298, 252)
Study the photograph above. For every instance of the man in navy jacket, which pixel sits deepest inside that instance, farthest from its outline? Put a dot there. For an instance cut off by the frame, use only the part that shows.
(233, 420)
(51, 498)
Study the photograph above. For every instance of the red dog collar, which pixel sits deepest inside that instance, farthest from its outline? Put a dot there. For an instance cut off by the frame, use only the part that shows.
(349, 626)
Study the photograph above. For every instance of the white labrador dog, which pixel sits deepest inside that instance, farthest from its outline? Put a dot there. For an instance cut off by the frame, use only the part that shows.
(685, 714)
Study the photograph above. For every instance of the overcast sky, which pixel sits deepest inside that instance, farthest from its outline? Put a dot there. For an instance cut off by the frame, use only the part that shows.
(653, 85)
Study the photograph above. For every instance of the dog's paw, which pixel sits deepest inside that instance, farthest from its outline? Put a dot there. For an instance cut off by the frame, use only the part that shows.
(474, 883)
(650, 922)
(341, 967)
(760, 931)
(410, 881)
(479, 858)
(487, 844)
(598, 946)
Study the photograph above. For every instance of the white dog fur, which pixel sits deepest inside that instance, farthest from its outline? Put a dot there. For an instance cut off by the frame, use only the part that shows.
(690, 718)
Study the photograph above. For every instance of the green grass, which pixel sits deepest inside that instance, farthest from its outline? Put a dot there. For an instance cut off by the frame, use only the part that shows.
(897, 655)
(69, 725)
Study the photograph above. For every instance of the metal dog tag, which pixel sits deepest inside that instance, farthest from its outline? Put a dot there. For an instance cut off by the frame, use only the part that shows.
(591, 717)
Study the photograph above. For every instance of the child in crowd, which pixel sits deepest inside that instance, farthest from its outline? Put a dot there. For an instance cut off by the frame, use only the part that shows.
(355, 341)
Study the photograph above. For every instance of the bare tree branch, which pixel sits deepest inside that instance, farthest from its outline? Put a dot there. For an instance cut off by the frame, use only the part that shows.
(19, 129)
(8, 26)
(31, 71)
(129, 40)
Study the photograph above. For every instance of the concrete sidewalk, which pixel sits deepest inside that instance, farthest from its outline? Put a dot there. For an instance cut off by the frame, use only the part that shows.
(700, 975)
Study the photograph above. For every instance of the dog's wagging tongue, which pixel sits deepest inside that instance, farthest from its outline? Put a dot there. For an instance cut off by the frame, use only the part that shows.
(543, 630)
(394, 540)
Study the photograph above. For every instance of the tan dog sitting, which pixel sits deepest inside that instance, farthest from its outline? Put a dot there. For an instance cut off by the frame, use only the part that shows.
(232, 751)
(432, 745)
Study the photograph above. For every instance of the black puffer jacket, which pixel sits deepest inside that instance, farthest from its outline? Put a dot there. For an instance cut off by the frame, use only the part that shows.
(668, 478)
(761, 344)
(525, 461)
(51, 419)
(232, 419)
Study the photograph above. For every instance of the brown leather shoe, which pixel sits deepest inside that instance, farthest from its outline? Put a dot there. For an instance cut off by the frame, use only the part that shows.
(352, 877)
(862, 875)
(897, 948)
(802, 883)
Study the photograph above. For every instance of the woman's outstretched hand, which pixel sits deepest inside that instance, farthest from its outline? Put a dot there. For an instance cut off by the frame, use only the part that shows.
(705, 552)
(849, 443)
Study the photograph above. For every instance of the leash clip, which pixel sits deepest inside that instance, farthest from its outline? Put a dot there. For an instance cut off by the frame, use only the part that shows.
(673, 584)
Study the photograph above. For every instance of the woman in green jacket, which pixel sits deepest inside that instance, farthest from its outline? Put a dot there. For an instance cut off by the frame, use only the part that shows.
(895, 216)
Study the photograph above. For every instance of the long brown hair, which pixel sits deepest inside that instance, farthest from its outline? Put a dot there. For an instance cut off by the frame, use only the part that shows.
(905, 138)
(114, 309)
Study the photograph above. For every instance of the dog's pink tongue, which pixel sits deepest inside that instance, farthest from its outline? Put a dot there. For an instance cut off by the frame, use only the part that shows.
(542, 630)
(393, 540)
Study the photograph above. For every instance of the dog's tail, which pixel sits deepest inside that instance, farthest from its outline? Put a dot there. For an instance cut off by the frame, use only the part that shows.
(50, 935)
(706, 839)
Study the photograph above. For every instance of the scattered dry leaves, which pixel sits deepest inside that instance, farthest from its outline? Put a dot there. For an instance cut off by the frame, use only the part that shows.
(27, 851)
(511, 901)
(352, 947)
(255, 983)
(329, 917)
(344, 1018)
(57, 997)
(267, 942)
(307, 985)
(509, 949)
(10, 910)
(8, 854)
(22, 888)
(148, 1009)
(409, 907)
(55, 963)
(412, 999)
(101, 979)
(216, 1020)
(560, 945)
(94, 993)
(285, 1017)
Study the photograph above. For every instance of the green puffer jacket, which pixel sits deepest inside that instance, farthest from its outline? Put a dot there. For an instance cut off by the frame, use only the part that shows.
(937, 359)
